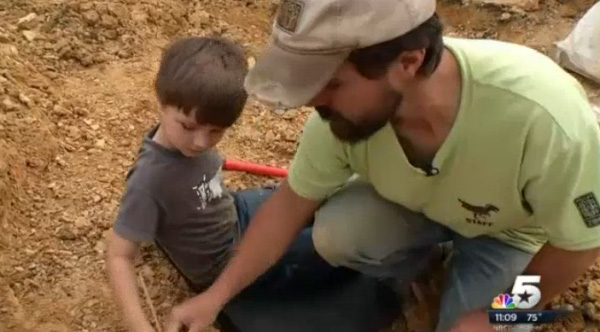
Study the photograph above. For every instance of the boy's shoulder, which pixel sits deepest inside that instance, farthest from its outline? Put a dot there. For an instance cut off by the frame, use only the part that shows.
(156, 169)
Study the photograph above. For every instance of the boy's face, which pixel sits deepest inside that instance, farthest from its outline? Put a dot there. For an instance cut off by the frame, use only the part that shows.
(183, 133)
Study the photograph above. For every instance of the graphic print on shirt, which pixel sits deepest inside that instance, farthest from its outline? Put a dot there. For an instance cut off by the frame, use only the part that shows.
(589, 208)
(208, 190)
(480, 213)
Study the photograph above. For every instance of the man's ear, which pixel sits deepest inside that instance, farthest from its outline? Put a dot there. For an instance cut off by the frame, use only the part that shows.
(405, 67)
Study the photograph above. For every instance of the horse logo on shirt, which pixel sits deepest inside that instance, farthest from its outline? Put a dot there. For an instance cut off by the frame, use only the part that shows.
(208, 189)
(480, 213)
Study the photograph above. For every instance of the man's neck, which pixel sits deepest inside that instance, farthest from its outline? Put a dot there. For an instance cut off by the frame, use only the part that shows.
(428, 112)
(434, 100)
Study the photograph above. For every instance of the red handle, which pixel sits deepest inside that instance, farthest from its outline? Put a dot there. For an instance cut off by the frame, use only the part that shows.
(253, 168)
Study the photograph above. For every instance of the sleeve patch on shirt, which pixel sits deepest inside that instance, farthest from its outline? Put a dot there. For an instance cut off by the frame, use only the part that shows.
(589, 208)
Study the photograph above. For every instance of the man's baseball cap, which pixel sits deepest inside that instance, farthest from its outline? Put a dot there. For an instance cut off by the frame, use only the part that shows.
(310, 39)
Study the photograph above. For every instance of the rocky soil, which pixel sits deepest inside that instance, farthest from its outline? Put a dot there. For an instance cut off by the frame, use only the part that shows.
(75, 98)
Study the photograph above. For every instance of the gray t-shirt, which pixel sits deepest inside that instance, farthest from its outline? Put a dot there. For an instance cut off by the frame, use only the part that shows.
(181, 204)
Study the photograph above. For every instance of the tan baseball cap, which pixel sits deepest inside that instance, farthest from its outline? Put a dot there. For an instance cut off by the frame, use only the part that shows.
(312, 38)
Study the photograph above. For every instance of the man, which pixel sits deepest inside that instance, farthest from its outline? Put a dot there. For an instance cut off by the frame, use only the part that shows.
(486, 144)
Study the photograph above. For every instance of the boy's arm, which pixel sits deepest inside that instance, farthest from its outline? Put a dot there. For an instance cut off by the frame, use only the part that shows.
(121, 273)
(136, 222)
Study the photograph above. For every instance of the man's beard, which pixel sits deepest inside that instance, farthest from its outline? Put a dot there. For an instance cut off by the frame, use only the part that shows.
(350, 132)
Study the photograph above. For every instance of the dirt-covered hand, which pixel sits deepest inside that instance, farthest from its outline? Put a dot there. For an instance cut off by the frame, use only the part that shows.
(196, 314)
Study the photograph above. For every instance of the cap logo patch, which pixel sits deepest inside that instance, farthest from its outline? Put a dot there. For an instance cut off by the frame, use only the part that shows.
(589, 208)
(289, 15)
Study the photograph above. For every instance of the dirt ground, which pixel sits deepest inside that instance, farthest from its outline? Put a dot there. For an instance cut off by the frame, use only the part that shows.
(76, 96)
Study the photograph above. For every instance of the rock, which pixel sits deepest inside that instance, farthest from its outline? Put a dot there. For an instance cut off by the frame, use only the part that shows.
(525, 4)
(84, 7)
(8, 105)
(251, 62)
(27, 22)
(589, 309)
(65, 234)
(53, 327)
(199, 18)
(100, 143)
(119, 10)
(91, 16)
(505, 17)
(25, 100)
(4, 38)
(109, 21)
(593, 290)
(29, 35)
(7, 49)
(82, 222)
(100, 247)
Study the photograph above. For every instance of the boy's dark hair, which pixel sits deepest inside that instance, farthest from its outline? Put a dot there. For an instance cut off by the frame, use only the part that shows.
(373, 62)
(206, 75)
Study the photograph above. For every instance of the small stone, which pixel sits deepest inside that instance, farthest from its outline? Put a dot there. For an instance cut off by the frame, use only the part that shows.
(7, 49)
(86, 6)
(199, 18)
(9, 105)
(147, 271)
(4, 38)
(100, 144)
(60, 161)
(29, 35)
(505, 17)
(589, 309)
(290, 114)
(251, 62)
(82, 223)
(65, 234)
(27, 22)
(96, 198)
(24, 99)
(109, 21)
(91, 16)
(100, 247)
(95, 127)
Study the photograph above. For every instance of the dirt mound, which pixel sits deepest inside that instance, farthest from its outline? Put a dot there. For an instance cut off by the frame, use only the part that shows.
(95, 32)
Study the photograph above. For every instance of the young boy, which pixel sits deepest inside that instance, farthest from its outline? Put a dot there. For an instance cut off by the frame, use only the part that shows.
(175, 197)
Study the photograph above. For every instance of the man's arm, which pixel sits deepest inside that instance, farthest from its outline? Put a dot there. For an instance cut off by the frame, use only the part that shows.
(554, 281)
(121, 274)
(272, 230)
(275, 225)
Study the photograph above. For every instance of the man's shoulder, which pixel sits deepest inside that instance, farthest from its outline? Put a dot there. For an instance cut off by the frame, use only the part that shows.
(505, 75)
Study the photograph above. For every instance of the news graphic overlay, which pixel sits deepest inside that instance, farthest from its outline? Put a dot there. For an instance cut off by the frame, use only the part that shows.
(515, 308)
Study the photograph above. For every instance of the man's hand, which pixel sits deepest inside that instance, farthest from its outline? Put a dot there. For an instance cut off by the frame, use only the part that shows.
(473, 321)
(196, 313)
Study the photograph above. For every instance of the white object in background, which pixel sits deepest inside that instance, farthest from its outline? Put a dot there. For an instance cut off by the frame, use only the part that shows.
(580, 51)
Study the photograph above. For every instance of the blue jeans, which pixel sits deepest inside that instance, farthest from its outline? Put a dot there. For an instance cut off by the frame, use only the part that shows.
(359, 229)
(300, 269)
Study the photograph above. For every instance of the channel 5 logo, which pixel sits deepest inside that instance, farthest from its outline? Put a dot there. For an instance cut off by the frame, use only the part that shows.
(525, 294)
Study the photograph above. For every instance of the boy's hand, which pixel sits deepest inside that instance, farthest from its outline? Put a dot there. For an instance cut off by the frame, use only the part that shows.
(196, 314)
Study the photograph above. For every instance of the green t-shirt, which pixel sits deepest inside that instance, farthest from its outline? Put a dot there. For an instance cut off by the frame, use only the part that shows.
(521, 163)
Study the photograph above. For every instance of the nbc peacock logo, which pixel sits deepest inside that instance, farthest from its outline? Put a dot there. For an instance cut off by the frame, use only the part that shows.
(503, 301)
